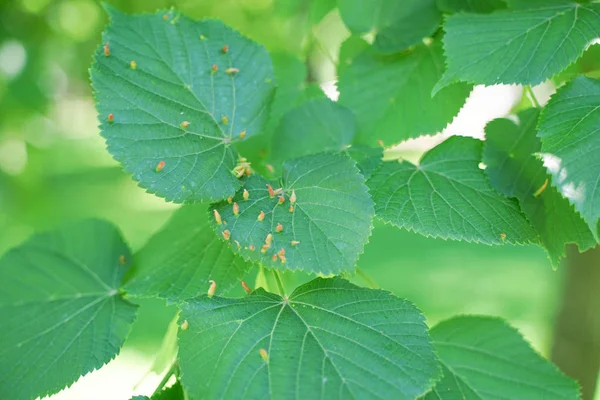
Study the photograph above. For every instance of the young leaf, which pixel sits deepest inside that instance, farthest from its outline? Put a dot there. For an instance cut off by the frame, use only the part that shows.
(515, 172)
(569, 131)
(397, 24)
(476, 6)
(525, 46)
(178, 261)
(391, 95)
(198, 86)
(447, 195)
(315, 126)
(62, 315)
(322, 231)
(483, 356)
(329, 339)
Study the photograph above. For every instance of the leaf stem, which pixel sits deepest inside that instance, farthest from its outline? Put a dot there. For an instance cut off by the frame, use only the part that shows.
(279, 283)
(165, 378)
(534, 100)
(372, 284)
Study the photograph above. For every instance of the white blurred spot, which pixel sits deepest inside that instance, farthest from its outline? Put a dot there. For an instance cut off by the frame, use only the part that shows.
(13, 156)
(330, 89)
(12, 58)
(551, 162)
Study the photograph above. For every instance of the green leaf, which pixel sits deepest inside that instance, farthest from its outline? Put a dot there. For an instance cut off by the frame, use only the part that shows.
(447, 195)
(397, 24)
(331, 219)
(315, 126)
(174, 392)
(174, 84)
(569, 130)
(329, 339)
(483, 357)
(391, 95)
(515, 172)
(525, 46)
(588, 65)
(62, 315)
(179, 260)
(368, 159)
(475, 6)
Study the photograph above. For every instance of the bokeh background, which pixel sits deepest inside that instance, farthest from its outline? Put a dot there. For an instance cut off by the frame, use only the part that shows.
(54, 168)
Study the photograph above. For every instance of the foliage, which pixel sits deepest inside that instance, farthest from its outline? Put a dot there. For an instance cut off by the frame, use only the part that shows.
(278, 178)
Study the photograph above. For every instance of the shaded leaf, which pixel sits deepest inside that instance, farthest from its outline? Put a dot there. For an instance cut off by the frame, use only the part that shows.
(329, 339)
(525, 46)
(483, 356)
(180, 259)
(391, 95)
(397, 24)
(447, 195)
(62, 315)
(368, 159)
(515, 172)
(476, 6)
(331, 219)
(588, 65)
(174, 83)
(569, 129)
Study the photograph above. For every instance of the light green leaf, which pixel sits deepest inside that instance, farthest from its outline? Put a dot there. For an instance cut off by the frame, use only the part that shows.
(180, 259)
(315, 126)
(172, 84)
(517, 46)
(483, 358)
(329, 339)
(515, 172)
(62, 315)
(447, 195)
(331, 219)
(397, 24)
(391, 95)
(476, 6)
(588, 65)
(174, 392)
(570, 132)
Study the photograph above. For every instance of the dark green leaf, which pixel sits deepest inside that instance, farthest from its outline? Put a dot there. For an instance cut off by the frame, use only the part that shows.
(483, 358)
(476, 6)
(391, 95)
(315, 126)
(515, 172)
(517, 46)
(331, 219)
(174, 84)
(569, 128)
(329, 339)
(62, 315)
(179, 260)
(588, 65)
(174, 392)
(397, 24)
(447, 195)
(368, 159)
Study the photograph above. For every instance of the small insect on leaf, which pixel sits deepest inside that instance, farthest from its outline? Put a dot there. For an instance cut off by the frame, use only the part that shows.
(184, 124)
(242, 134)
(541, 189)
(212, 289)
(236, 209)
(264, 355)
(122, 259)
(226, 234)
(160, 166)
(279, 227)
(184, 325)
(270, 168)
(295, 243)
(246, 194)
(293, 197)
(225, 49)
(106, 50)
(231, 71)
(111, 117)
(245, 287)
(271, 191)
(217, 217)
(224, 119)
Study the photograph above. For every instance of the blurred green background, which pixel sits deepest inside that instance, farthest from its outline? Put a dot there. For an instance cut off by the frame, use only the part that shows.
(54, 168)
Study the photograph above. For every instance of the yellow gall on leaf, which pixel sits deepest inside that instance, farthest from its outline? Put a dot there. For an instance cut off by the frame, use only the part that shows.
(111, 117)
(281, 252)
(226, 234)
(541, 189)
(246, 194)
(230, 199)
(225, 49)
(212, 289)
(261, 216)
(236, 209)
(251, 247)
(245, 287)
(214, 68)
(279, 227)
(503, 236)
(122, 259)
(274, 257)
(295, 243)
(268, 239)
(160, 166)
(133, 65)
(184, 325)
(277, 191)
(270, 168)
(202, 37)
(380, 142)
(106, 50)
(271, 191)
(281, 200)
(293, 197)
(224, 119)
(264, 355)
(231, 71)
(165, 17)
(217, 217)
(291, 209)
(264, 248)
(242, 134)
(184, 124)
